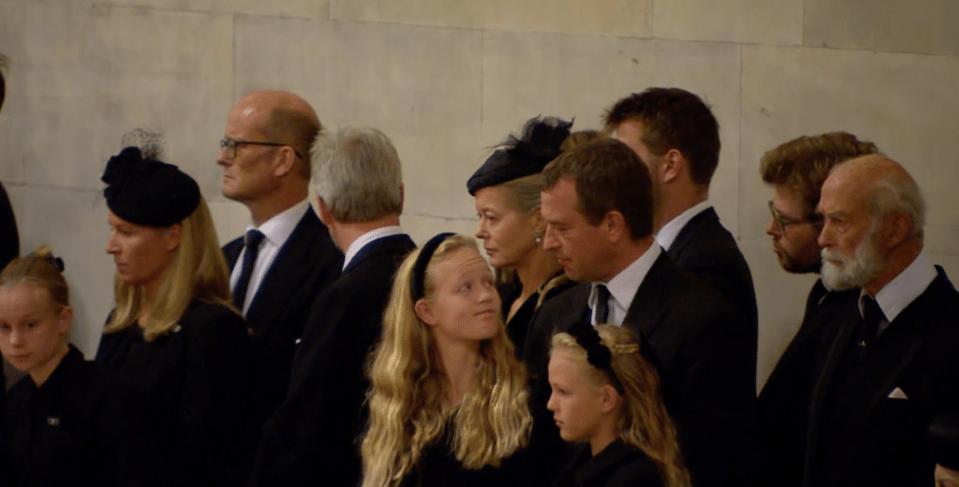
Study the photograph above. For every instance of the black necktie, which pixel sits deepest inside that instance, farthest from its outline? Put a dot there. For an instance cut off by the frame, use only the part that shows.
(602, 304)
(251, 243)
(872, 315)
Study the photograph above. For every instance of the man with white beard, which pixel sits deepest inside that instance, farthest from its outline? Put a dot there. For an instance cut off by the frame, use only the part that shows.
(895, 365)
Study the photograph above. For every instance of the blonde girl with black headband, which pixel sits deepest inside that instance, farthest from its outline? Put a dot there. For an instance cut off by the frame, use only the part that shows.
(606, 395)
(448, 402)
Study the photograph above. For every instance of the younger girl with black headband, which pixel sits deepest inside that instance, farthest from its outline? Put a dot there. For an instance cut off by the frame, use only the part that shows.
(62, 416)
(607, 395)
(448, 403)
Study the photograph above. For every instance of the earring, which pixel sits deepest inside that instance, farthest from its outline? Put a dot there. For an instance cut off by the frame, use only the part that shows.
(536, 237)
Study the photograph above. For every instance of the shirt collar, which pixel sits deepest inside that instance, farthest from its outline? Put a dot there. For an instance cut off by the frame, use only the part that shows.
(906, 287)
(623, 287)
(366, 238)
(667, 235)
(281, 226)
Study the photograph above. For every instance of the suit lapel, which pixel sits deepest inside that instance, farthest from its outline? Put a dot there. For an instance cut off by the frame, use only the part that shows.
(689, 230)
(292, 262)
(650, 306)
(824, 385)
(231, 252)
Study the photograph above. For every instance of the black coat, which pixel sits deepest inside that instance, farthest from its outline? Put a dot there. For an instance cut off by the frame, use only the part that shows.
(705, 249)
(9, 238)
(194, 379)
(885, 441)
(312, 435)
(703, 349)
(67, 431)
(517, 328)
(783, 404)
(618, 465)
(306, 264)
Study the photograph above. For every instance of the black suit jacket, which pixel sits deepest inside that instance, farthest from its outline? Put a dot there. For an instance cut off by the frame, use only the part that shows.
(783, 404)
(306, 264)
(312, 435)
(920, 357)
(705, 249)
(703, 349)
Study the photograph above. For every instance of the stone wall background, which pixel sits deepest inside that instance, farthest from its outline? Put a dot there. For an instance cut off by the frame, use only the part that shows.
(447, 79)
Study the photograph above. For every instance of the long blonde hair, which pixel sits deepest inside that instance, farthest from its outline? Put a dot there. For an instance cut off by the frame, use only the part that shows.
(407, 406)
(643, 421)
(196, 272)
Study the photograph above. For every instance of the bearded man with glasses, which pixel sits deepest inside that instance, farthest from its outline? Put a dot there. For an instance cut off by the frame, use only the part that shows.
(287, 256)
(796, 170)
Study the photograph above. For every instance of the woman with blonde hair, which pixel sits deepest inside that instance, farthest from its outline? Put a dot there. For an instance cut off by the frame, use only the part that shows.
(448, 402)
(173, 333)
(607, 395)
(507, 188)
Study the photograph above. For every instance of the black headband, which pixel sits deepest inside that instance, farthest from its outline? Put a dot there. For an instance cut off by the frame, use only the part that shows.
(418, 280)
(55, 261)
(597, 354)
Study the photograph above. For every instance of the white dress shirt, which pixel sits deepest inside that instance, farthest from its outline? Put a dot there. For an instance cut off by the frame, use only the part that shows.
(367, 238)
(667, 235)
(904, 289)
(276, 231)
(623, 287)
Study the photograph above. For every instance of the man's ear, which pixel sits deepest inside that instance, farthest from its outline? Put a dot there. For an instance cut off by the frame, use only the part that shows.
(285, 161)
(896, 228)
(424, 312)
(671, 165)
(615, 226)
(402, 196)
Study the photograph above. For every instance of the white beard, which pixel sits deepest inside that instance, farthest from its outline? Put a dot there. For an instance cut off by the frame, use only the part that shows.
(852, 272)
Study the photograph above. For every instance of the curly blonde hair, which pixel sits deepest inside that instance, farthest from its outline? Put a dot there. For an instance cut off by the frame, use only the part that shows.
(643, 421)
(407, 407)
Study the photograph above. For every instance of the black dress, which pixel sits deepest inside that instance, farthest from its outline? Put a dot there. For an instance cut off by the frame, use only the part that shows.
(438, 467)
(617, 465)
(67, 431)
(517, 327)
(194, 379)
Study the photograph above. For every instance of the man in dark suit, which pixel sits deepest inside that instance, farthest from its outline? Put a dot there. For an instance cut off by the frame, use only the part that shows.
(796, 171)
(895, 363)
(597, 202)
(287, 256)
(313, 434)
(677, 137)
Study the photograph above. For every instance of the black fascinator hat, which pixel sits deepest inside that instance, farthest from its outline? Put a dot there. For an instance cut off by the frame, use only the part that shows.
(149, 192)
(523, 156)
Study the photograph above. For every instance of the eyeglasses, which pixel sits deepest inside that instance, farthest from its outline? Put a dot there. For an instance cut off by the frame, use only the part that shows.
(230, 145)
(784, 222)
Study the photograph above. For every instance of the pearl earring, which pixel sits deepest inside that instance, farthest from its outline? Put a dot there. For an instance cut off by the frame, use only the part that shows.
(536, 237)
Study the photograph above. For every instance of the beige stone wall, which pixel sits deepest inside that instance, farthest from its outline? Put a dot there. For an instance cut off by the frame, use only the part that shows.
(446, 79)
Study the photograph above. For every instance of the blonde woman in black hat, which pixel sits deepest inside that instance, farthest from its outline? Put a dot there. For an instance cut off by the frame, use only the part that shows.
(507, 188)
(174, 333)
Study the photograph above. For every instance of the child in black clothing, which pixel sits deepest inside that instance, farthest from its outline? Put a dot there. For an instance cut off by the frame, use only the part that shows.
(607, 395)
(63, 416)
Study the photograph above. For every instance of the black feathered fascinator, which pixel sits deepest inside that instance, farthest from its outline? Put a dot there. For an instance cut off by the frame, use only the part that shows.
(524, 156)
(148, 192)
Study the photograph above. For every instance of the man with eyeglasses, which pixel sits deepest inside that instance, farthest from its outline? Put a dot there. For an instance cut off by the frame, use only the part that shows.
(796, 170)
(287, 256)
